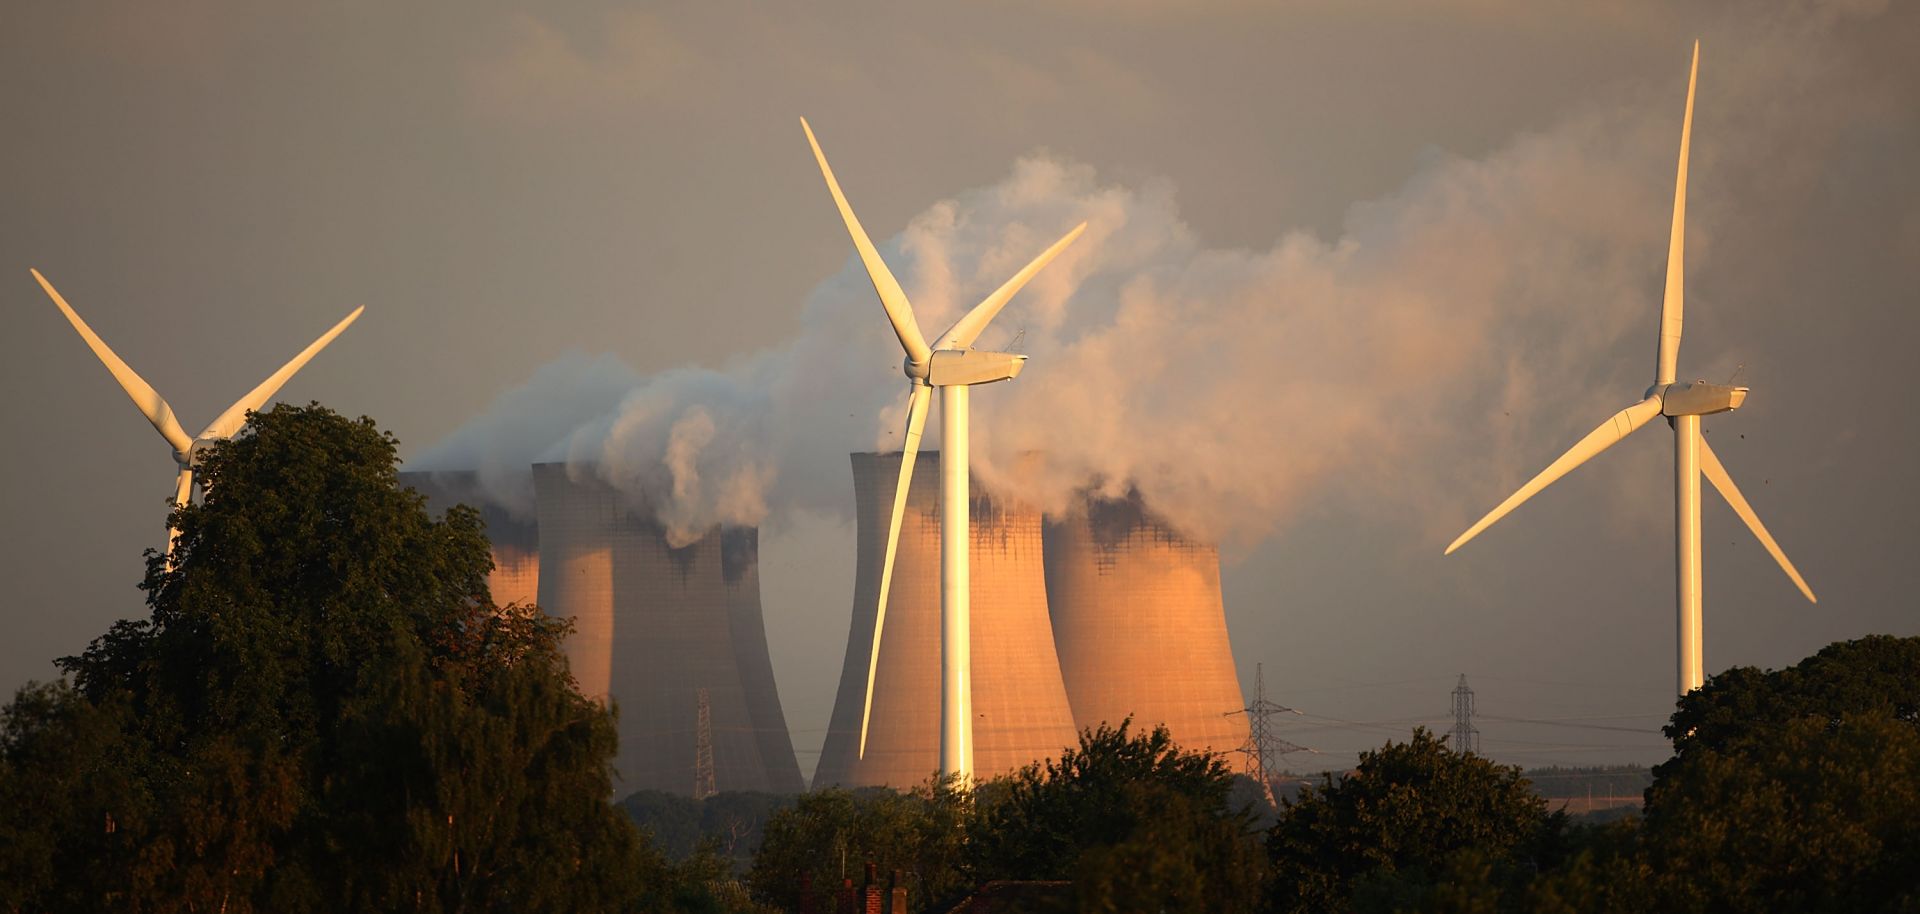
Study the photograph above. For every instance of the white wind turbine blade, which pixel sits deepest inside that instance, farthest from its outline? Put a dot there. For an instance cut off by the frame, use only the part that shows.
(968, 328)
(236, 415)
(182, 493)
(1716, 473)
(892, 297)
(1673, 306)
(917, 405)
(1620, 425)
(148, 400)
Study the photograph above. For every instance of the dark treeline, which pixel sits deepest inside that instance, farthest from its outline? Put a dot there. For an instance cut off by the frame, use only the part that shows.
(323, 710)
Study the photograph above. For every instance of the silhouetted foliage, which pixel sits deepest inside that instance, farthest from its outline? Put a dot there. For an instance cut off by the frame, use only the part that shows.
(729, 825)
(1134, 821)
(829, 835)
(1821, 816)
(1790, 790)
(1391, 834)
(1878, 674)
(323, 711)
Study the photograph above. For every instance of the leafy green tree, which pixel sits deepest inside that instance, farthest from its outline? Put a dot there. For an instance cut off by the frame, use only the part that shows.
(1135, 822)
(1795, 789)
(1820, 817)
(71, 806)
(730, 824)
(1790, 790)
(1878, 674)
(323, 710)
(1388, 834)
(831, 834)
(1605, 871)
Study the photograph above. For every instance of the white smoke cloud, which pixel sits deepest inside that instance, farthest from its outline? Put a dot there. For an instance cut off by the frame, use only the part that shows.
(1227, 386)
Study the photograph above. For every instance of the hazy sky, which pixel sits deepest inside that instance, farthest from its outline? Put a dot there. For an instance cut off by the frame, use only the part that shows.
(1355, 271)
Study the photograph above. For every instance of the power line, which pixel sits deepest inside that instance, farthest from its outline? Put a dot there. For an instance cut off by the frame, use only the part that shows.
(1465, 736)
(1263, 747)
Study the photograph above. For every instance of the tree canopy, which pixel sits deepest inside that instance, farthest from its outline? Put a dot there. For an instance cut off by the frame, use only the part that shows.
(1397, 827)
(323, 709)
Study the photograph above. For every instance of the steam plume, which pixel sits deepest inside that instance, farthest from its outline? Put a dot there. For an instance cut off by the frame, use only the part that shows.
(1223, 385)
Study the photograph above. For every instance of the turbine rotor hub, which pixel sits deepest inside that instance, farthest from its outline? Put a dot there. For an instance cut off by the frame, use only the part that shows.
(191, 458)
(916, 371)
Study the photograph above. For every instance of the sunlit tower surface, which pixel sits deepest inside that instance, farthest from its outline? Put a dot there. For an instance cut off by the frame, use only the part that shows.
(1464, 737)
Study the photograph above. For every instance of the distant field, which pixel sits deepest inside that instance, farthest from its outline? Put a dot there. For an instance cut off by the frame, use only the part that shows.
(1580, 806)
(1583, 791)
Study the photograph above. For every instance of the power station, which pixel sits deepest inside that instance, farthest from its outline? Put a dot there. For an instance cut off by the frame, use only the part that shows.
(1019, 704)
(1140, 625)
(516, 542)
(1099, 614)
(660, 625)
(673, 636)
(1093, 617)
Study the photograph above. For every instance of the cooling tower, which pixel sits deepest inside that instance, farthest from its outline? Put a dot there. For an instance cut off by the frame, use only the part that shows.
(576, 549)
(516, 543)
(665, 625)
(1019, 703)
(1140, 625)
(740, 577)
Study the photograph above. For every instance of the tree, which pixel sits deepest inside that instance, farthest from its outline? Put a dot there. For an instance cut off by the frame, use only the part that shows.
(1790, 790)
(323, 710)
(1389, 833)
(729, 823)
(1878, 674)
(1795, 789)
(830, 835)
(1135, 822)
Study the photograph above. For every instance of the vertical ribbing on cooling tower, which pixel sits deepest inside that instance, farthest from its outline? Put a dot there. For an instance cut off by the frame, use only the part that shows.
(665, 623)
(576, 551)
(1019, 703)
(1140, 625)
(672, 637)
(516, 543)
(740, 576)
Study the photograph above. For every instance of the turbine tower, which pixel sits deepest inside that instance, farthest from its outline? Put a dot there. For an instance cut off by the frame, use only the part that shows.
(1683, 404)
(952, 365)
(186, 450)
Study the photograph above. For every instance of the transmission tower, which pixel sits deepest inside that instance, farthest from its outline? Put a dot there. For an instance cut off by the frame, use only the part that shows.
(1465, 737)
(1263, 747)
(703, 752)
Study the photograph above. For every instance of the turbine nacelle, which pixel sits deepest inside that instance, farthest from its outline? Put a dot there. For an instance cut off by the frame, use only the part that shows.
(967, 367)
(1699, 398)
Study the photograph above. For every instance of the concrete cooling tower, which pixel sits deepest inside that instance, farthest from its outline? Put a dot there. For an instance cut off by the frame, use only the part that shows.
(660, 626)
(516, 543)
(1140, 625)
(1019, 703)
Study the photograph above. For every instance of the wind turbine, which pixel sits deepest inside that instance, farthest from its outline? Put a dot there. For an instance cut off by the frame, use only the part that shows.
(1683, 404)
(952, 365)
(153, 406)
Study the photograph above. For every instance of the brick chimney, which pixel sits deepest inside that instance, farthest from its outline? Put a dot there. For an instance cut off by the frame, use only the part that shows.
(874, 894)
(899, 904)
